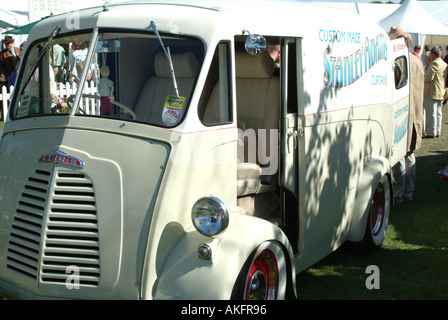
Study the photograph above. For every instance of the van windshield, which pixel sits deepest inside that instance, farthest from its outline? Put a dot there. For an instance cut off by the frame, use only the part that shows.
(125, 76)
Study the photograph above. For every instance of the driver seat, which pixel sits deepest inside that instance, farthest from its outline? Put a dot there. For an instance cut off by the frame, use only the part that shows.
(151, 101)
(258, 108)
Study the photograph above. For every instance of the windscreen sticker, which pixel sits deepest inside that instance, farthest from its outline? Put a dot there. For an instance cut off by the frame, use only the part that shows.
(24, 106)
(173, 110)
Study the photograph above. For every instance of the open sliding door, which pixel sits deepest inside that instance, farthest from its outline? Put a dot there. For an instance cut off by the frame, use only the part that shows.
(291, 140)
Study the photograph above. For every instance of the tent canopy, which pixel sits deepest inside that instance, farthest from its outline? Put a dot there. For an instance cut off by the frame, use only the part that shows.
(413, 19)
(10, 19)
(22, 30)
(4, 24)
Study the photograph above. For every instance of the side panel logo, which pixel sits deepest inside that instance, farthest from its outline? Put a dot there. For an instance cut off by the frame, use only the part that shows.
(61, 157)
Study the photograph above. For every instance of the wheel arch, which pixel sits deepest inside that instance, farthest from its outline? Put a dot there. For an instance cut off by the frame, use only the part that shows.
(374, 170)
(184, 274)
(290, 290)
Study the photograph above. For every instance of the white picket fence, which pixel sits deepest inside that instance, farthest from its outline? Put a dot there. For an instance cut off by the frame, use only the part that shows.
(91, 105)
(5, 98)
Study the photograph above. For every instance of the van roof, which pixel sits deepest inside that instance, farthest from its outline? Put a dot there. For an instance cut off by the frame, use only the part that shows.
(203, 18)
(218, 5)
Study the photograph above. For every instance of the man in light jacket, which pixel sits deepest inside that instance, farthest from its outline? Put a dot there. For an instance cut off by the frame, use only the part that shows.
(434, 92)
(404, 171)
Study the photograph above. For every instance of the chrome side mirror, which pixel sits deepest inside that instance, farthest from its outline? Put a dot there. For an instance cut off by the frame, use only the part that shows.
(255, 43)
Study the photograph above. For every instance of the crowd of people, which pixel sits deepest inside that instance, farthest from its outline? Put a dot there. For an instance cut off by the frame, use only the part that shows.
(64, 67)
(11, 56)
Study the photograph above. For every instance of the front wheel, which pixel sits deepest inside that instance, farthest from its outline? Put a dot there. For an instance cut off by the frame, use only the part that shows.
(378, 217)
(263, 276)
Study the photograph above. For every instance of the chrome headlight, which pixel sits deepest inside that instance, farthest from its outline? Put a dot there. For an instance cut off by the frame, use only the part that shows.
(210, 216)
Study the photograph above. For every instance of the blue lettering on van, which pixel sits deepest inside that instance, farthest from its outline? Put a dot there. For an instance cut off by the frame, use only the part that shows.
(401, 130)
(332, 35)
(401, 111)
(339, 36)
(342, 71)
(379, 80)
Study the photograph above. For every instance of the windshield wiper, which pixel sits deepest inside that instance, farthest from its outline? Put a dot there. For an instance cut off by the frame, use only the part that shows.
(168, 55)
(41, 54)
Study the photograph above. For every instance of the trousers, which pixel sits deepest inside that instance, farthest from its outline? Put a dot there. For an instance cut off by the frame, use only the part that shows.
(404, 173)
(433, 109)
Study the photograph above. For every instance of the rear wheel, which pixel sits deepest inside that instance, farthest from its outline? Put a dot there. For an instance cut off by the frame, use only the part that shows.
(263, 276)
(378, 217)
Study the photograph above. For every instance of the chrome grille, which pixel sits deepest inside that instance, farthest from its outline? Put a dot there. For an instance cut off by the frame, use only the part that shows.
(25, 237)
(71, 236)
(55, 227)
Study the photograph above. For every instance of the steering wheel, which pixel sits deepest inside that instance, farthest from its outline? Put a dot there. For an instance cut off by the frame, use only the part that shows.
(125, 108)
(118, 104)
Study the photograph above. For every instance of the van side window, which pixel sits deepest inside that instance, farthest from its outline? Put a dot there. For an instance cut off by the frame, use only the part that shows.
(215, 105)
(400, 72)
(292, 100)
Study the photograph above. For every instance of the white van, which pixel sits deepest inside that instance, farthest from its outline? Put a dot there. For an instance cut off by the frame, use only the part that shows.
(203, 169)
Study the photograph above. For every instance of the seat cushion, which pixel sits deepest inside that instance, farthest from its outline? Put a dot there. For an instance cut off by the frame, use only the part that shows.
(248, 171)
(248, 178)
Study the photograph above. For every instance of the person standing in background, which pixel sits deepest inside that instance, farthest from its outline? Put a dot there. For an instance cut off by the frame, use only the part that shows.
(446, 79)
(424, 54)
(404, 172)
(58, 61)
(417, 50)
(446, 55)
(9, 57)
(434, 92)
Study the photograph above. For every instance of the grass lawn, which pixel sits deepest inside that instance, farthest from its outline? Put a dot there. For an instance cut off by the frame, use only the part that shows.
(413, 261)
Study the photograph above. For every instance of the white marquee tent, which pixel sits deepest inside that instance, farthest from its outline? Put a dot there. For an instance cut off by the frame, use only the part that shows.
(416, 21)
(437, 9)
(10, 19)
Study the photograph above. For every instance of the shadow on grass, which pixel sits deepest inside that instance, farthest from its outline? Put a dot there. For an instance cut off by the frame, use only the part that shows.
(412, 274)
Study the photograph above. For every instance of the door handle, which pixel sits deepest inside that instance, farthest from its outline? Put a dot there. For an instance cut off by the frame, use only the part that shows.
(296, 135)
